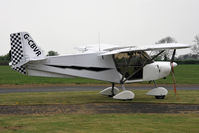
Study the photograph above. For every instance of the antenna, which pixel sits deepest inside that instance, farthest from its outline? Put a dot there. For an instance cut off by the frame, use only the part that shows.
(99, 40)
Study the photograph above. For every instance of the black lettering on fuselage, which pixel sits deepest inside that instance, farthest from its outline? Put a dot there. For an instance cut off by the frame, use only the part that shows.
(38, 53)
(32, 45)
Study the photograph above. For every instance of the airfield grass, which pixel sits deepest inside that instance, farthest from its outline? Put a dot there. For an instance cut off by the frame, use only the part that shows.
(84, 97)
(185, 74)
(9, 76)
(100, 123)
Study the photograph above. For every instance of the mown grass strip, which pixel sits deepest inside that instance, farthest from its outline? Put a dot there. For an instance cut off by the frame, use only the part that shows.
(84, 97)
(101, 123)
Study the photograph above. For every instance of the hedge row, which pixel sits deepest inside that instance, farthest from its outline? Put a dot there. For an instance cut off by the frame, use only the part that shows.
(188, 62)
(5, 62)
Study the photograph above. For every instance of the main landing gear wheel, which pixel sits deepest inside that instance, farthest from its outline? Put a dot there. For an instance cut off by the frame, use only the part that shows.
(110, 91)
(114, 92)
(125, 94)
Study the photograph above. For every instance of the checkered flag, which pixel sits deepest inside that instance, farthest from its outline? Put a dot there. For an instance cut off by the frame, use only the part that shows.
(17, 52)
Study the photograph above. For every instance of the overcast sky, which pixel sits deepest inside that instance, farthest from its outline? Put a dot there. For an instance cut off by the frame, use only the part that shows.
(60, 25)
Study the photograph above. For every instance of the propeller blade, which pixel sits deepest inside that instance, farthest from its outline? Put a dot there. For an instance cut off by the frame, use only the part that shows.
(173, 56)
(172, 63)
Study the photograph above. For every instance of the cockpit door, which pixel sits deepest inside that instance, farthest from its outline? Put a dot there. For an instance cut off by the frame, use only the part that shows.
(131, 64)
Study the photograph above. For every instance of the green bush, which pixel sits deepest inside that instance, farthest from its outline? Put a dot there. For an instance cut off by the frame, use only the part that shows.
(188, 62)
(4, 62)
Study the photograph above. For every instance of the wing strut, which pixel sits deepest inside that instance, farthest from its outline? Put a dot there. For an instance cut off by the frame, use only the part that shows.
(112, 89)
(157, 54)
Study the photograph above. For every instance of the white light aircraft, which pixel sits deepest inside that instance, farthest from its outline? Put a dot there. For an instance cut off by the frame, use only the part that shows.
(110, 63)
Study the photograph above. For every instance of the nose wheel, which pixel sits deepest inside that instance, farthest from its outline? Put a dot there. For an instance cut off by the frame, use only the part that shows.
(158, 92)
(160, 97)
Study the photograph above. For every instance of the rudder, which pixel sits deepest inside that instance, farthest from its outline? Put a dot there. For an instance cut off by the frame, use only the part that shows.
(23, 50)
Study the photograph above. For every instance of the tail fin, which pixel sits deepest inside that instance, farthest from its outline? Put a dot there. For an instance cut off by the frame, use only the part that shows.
(23, 50)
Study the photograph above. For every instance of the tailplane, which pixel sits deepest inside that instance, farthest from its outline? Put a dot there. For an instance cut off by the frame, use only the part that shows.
(23, 50)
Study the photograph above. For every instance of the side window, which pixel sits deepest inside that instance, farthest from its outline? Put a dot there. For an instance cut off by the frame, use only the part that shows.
(131, 64)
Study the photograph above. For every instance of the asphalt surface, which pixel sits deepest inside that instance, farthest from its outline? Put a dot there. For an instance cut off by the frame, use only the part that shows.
(85, 88)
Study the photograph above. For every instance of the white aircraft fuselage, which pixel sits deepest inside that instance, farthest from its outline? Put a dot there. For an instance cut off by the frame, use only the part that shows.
(91, 65)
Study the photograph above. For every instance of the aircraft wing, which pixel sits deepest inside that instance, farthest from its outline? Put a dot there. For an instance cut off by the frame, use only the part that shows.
(144, 48)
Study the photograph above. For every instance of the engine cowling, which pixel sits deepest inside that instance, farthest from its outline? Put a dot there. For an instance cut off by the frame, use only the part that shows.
(157, 70)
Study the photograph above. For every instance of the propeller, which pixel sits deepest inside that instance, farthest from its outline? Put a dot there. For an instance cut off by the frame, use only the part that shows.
(173, 64)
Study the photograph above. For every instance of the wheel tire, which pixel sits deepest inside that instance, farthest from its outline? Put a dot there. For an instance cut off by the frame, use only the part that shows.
(111, 95)
(160, 97)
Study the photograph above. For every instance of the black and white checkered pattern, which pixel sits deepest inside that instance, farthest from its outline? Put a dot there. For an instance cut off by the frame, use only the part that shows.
(16, 48)
(17, 51)
(20, 69)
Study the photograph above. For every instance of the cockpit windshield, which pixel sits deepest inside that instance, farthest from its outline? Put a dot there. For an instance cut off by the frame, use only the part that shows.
(130, 64)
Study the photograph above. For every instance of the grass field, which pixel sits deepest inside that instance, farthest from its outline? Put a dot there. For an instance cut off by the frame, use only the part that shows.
(98, 123)
(101, 123)
(9, 76)
(185, 74)
(83, 97)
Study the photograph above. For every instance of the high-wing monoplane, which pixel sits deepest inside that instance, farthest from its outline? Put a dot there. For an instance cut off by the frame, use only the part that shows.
(115, 64)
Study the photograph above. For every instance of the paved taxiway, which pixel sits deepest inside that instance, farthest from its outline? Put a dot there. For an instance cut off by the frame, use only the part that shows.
(97, 108)
(84, 88)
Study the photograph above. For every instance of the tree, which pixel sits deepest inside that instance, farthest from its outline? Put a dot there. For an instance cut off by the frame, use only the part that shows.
(52, 53)
(195, 48)
(167, 53)
(188, 57)
(5, 59)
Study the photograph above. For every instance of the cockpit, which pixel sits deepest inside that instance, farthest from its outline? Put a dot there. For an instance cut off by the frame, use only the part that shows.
(130, 64)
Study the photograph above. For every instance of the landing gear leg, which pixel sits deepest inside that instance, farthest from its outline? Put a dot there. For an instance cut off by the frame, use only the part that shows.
(155, 84)
(112, 90)
(123, 87)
